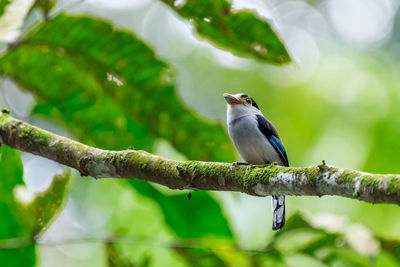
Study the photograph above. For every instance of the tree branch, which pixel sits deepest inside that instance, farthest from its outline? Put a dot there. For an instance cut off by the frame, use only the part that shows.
(254, 180)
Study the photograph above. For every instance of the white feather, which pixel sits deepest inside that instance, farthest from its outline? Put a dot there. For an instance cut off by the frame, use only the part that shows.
(250, 142)
(237, 111)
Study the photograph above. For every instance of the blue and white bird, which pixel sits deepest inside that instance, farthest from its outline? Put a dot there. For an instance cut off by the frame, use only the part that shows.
(257, 141)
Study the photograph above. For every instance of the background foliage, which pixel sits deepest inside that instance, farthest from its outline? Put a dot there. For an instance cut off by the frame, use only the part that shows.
(147, 77)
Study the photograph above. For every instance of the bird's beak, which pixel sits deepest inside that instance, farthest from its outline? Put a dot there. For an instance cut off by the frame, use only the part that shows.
(231, 99)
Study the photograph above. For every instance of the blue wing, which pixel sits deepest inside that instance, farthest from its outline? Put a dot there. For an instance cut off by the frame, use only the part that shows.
(270, 133)
(277, 144)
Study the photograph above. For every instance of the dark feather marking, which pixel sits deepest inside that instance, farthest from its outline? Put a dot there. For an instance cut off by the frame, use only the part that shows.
(271, 134)
(254, 104)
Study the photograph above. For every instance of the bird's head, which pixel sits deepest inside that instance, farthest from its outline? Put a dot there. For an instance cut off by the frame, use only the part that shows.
(240, 105)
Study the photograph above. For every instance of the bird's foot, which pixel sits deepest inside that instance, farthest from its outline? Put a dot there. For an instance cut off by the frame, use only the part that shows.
(238, 163)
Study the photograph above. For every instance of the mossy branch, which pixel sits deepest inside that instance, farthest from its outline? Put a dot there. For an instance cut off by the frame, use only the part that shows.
(254, 180)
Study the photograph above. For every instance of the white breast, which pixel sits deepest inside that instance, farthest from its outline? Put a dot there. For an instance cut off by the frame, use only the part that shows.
(251, 144)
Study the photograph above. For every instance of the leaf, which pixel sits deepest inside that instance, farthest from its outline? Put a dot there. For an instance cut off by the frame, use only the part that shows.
(384, 259)
(114, 257)
(295, 221)
(147, 95)
(11, 171)
(242, 32)
(199, 217)
(298, 224)
(11, 223)
(392, 247)
(346, 257)
(17, 257)
(79, 56)
(71, 95)
(47, 204)
(28, 62)
(3, 5)
(24, 214)
(200, 257)
(297, 240)
(301, 260)
(269, 258)
(384, 146)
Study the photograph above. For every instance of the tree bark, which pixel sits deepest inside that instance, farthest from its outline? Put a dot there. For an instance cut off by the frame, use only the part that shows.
(257, 180)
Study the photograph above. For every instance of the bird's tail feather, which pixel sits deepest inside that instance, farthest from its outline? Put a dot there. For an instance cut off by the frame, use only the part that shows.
(278, 212)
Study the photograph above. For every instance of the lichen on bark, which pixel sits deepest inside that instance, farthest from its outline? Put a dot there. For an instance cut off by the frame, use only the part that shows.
(257, 180)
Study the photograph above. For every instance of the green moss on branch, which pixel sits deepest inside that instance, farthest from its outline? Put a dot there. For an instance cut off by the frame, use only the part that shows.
(251, 179)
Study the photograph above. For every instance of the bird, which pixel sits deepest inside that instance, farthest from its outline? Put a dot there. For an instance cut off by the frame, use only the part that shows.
(257, 141)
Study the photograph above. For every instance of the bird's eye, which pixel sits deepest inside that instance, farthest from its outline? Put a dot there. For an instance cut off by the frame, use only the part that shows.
(248, 100)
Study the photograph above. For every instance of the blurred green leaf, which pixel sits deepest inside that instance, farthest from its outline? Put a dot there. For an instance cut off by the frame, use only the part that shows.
(385, 145)
(24, 214)
(73, 96)
(301, 260)
(308, 244)
(298, 225)
(12, 223)
(200, 257)
(392, 247)
(295, 221)
(17, 257)
(3, 4)
(242, 32)
(199, 217)
(344, 256)
(229, 252)
(385, 259)
(269, 258)
(147, 95)
(114, 259)
(48, 203)
(297, 239)
(79, 60)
